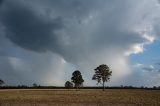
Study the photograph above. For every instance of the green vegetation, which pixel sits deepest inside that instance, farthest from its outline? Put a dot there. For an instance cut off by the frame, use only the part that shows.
(102, 74)
(68, 84)
(77, 79)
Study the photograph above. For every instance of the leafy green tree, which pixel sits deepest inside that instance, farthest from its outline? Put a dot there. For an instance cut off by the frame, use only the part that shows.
(77, 79)
(102, 74)
(1, 82)
(68, 84)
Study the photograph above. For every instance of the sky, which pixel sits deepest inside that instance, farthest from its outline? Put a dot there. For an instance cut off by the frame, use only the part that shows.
(44, 41)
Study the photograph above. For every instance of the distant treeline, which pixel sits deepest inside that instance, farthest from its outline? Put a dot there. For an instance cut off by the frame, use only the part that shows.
(101, 76)
(56, 87)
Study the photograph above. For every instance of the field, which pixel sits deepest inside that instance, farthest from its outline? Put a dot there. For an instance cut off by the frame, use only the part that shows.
(110, 97)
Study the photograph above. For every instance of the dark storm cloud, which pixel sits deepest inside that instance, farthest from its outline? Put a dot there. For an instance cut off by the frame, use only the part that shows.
(78, 32)
(1, 2)
(28, 29)
(35, 31)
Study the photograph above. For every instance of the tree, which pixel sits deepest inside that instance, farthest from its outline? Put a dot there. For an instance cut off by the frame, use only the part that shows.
(77, 79)
(35, 85)
(1, 82)
(102, 74)
(68, 84)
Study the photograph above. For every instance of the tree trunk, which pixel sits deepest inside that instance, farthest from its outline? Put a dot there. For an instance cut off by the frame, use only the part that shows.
(103, 86)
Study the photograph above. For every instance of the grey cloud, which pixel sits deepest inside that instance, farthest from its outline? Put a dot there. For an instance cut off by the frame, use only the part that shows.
(7, 73)
(28, 29)
(152, 68)
(157, 27)
(1, 1)
(30, 67)
(31, 30)
(157, 63)
(83, 33)
(148, 69)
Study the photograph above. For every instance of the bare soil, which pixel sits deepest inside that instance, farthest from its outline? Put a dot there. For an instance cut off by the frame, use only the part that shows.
(110, 97)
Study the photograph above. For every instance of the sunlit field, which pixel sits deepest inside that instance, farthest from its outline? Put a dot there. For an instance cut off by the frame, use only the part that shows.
(47, 97)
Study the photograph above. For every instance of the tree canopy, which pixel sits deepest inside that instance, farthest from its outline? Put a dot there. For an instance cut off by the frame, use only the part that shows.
(68, 84)
(77, 78)
(102, 74)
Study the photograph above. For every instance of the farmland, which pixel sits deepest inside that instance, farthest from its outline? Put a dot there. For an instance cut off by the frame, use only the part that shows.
(48, 97)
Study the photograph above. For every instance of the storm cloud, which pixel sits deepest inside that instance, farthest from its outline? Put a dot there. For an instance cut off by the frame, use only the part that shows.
(74, 33)
(28, 29)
